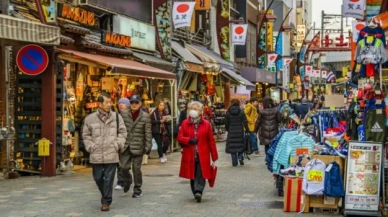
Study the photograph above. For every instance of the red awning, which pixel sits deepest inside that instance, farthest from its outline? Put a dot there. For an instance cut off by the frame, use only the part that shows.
(122, 66)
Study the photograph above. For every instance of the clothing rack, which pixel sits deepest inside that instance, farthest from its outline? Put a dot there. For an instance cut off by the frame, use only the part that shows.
(320, 119)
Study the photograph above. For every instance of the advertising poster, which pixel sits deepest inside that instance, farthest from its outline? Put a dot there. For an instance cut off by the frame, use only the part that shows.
(363, 177)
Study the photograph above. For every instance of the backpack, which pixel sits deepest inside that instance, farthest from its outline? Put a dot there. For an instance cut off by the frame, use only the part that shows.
(334, 186)
(314, 176)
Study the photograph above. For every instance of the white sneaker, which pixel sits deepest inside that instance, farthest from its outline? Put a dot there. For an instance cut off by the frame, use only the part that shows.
(162, 160)
(165, 158)
(119, 187)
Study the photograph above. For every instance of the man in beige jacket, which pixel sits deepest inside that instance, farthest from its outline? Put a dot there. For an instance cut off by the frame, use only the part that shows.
(104, 134)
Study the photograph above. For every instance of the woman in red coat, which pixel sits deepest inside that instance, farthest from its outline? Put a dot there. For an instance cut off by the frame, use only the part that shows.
(199, 147)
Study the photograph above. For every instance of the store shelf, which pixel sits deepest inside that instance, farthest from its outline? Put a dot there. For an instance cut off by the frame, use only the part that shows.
(27, 149)
(28, 122)
(28, 140)
(30, 131)
(28, 113)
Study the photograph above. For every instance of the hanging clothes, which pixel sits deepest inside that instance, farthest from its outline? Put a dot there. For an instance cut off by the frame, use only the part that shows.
(370, 53)
(376, 32)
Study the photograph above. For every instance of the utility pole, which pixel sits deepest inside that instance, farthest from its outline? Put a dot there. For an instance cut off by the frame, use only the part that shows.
(322, 22)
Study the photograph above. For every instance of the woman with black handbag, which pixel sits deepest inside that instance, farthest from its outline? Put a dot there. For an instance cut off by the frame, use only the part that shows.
(235, 122)
(161, 130)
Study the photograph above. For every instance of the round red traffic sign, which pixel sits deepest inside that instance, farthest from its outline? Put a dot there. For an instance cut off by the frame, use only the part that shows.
(32, 59)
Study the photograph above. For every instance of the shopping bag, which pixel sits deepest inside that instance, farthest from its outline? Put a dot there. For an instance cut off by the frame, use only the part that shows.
(248, 145)
(213, 175)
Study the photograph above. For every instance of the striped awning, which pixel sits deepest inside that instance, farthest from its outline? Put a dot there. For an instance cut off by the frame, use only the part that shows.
(28, 31)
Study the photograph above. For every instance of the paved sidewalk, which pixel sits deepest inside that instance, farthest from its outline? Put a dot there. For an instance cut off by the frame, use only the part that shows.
(164, 193)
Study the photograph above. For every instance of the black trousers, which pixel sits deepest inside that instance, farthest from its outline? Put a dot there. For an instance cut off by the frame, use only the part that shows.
(198, 184)
(128, 161)
(162, 148)
(120, 180)
(104, 176)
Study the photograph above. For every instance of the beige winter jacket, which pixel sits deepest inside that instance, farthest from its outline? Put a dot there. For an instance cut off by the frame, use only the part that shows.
(139, 139)
(101, 139)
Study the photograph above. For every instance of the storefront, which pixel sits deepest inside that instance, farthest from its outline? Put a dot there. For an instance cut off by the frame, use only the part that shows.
(265, 83)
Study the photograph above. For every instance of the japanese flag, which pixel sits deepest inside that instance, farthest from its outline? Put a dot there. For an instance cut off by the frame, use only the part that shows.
(287, 61)
(317, 73)
(182, 13)
(324, 74)
(353, 8)
(239, 34)
(309, 71)
(272, 58)
(356, 27)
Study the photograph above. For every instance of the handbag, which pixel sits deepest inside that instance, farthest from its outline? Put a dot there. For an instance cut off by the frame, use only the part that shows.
(213, 175)
(248, 145)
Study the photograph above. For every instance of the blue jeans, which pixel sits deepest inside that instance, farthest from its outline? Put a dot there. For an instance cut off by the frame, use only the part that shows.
(236, 157)
(253, 138)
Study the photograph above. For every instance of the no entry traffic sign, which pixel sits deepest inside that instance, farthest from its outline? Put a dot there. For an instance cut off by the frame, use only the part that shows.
(32, 59)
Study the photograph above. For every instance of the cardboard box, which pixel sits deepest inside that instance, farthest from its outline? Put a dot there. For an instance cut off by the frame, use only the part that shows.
(294, 198)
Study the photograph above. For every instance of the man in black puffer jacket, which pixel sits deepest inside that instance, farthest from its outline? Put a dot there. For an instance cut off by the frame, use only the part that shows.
(235, 122)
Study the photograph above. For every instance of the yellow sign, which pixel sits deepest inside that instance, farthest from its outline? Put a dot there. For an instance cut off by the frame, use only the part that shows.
(270, 33)
(202, 5)
(44, 147)
(332, 108)
(315, 175)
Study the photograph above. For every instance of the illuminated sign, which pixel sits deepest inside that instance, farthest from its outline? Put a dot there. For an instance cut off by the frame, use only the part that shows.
(77, 14)
(115, 39)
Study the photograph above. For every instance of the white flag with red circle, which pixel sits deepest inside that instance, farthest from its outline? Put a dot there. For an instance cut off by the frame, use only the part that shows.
(239, 34)
(317, 73)
(356, 27)
(182, 13)
(324, 74)
(287, 61)
(309, 71)
(272, 58)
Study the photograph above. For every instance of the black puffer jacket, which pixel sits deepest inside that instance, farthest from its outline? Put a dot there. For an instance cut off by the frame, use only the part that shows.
(235, 122)
(269, 122)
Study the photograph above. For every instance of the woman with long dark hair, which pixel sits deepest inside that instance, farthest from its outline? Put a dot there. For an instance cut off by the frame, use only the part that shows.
(235, 122)
(161, 130)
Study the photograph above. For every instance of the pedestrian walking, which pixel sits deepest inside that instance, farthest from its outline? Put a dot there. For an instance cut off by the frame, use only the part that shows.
(139, 142)
(104, 135)
(197, 140)
(161, 130)
(235, 123)
(123, 105)
(252, 116)
(268, 122)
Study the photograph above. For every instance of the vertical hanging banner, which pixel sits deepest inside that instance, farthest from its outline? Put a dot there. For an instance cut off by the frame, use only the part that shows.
(239, 34)
(223, 30)
(270, 41)
(271, 59)
(300, 35)
(162, 19)
(353, 8)
(287, 61)
(309, 71)
(356, 28)
(182, 13)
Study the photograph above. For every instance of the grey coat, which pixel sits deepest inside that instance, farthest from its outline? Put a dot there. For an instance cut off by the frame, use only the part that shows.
(139, 138)
(102, 140)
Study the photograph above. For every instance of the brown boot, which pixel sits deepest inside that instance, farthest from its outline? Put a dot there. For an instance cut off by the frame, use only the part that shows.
(105, 207)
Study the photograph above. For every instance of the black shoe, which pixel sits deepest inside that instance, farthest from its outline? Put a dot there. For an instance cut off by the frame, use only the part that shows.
(137, 195)
(241, 162)
(198, 197)
(126, 188)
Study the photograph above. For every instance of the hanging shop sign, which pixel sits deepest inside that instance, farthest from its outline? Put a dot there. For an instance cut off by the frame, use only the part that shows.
(300, 35)
(162, 11)
(77, 14)
(142, 35)
(270, 36)
(239, 34)
(353, 8)
(223, 30)
(115, 39)
(182, 13)
(363, 176)
(32, 59)
(356, 28)
(202, 5)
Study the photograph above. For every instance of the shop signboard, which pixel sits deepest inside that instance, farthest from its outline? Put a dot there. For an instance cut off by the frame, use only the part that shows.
(142, 34)
(202, 5)
(78, 15)
(32, 59)
(300, 34)
(363, 177)
(91, 105)
(243, 98)
(115, 39)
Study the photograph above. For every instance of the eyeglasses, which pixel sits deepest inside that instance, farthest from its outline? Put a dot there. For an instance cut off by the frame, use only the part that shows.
(135, 102)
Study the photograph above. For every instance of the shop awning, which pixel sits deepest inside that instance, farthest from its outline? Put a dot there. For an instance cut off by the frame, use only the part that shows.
(192, 63)
(209, 62)
(28, 31)
(155, 61)
(241, 80)
(258, 75)
(122, 66)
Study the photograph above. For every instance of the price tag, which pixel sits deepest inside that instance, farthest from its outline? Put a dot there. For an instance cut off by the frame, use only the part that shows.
(335, 144)
(315, 175)
(379, 111)
(329, 168)
(378, 101)
(332, 108)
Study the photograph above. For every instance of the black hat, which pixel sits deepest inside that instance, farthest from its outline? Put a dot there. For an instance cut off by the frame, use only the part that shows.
(135, 97)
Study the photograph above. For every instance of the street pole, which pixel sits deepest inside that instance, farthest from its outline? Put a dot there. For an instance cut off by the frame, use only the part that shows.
(322, 22)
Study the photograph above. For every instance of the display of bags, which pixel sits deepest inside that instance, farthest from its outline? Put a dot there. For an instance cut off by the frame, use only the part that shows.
(334, 186)
(314, 176)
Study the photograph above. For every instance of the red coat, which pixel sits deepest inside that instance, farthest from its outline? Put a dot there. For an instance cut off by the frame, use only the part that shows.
(206, 148)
